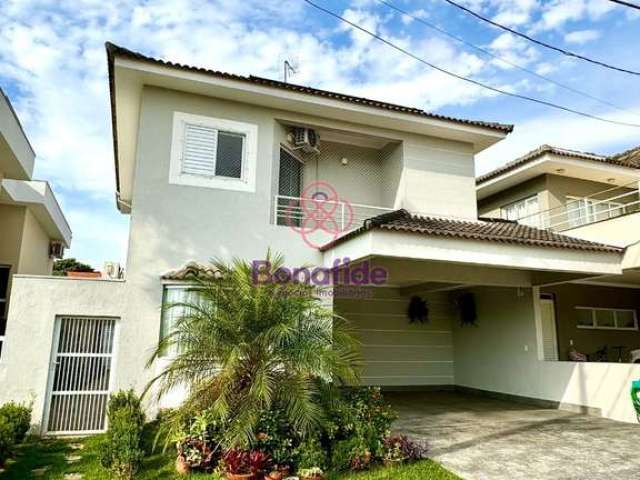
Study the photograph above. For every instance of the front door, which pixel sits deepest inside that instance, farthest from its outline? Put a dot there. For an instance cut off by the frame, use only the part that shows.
(80, 375)
(549, 335)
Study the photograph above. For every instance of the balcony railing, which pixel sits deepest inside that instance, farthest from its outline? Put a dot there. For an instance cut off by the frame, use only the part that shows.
(579, 211)
(316, 213)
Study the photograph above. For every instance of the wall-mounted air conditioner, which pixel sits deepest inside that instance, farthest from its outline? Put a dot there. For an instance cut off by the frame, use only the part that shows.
(305, 139)
(56, 250)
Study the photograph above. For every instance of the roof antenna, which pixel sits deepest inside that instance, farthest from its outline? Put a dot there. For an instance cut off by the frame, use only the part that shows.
(288, 70)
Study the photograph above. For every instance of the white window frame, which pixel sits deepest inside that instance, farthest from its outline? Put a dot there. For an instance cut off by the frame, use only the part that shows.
(595, 326)
(530, 219)
(586, 207)
(247, 181)
(183, 286)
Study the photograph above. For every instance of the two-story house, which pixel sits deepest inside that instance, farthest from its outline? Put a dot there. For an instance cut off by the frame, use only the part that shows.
(588, 196)
(211, 164)
(33, 229)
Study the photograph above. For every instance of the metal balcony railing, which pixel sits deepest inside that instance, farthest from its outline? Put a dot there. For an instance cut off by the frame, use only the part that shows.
(579, 211)
(314, 213)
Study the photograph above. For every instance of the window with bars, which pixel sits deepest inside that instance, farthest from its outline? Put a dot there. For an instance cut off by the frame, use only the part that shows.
(290, 178)
(213, 152)
(4, 293)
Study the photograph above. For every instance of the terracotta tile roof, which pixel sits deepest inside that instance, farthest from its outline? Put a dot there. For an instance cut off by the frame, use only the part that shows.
(191, 271)
(490, 230)
(113, 50)
(630, 158)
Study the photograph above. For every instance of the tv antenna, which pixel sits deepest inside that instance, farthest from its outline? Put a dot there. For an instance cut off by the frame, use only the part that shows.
(288, 70)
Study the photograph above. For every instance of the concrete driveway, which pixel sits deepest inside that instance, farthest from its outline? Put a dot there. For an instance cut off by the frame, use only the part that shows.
(484, 439)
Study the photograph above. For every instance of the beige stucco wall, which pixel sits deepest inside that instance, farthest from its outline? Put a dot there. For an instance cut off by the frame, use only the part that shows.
(568, 296)
(398, 353)
(34, 251)
(491, 206)
(620, 231)
(500, 354)
(36, 301)
(12, 220)
(552, 192)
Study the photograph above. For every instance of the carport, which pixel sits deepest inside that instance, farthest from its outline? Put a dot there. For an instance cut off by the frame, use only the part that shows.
(482, 438)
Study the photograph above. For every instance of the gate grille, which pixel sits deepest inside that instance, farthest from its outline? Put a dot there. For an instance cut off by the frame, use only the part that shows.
(82, 373)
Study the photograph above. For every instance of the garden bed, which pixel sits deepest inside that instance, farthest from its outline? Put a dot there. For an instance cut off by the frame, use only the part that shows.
(36, 454)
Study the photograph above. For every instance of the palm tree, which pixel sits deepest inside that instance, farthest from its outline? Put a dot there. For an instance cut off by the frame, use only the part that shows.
(244, 346)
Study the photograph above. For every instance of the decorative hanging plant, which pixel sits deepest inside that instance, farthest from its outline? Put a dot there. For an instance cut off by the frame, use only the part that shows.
(418, 310)
(467, 308)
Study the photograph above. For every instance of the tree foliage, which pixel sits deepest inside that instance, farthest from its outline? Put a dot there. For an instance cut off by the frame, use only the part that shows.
(60, 267)
(244, 346)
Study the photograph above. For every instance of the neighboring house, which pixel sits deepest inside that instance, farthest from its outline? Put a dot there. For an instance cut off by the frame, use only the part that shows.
(588, 196)
(210, 164)
(33, 230)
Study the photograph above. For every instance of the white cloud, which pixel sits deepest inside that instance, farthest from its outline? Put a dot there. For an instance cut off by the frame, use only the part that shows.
(561, 130)
(581, 36)
(559, 12)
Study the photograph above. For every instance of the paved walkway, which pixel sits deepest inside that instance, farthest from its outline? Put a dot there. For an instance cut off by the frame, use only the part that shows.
(484, 439)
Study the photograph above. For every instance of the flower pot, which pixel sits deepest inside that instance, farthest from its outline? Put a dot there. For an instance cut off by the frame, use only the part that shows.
(275, 475)
(182, 467)
(238, 476)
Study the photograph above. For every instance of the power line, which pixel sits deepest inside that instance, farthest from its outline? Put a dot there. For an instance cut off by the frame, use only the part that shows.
(540, 42)
(626, 4)
(461, 77)
(504, 60)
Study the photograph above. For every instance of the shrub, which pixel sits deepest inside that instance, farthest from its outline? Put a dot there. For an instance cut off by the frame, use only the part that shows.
(363, 420)
(198, 441)
(310, 453)
(18, 417)
(15, 420)
(6, 440)
(121, 451)
(276, 436)
(402, 448)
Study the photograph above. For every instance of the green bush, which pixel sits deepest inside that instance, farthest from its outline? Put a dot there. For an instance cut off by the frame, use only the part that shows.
(121, 451)
(18, 417)
(310, 453)
(6, 440)
(15, 420)
(363, 420)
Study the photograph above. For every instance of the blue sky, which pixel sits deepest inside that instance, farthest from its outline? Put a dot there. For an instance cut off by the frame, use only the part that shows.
(53, 68)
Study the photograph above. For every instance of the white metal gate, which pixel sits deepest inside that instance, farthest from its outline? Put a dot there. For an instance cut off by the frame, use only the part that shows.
(80, 379)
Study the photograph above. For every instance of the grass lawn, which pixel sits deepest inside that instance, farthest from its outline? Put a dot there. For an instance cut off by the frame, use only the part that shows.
(38, 453)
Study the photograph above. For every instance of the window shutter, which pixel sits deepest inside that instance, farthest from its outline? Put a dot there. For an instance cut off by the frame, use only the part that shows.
(199, 150)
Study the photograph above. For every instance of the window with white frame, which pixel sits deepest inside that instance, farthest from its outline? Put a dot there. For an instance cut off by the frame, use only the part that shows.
(172, 295)
(213, 152)
(581, 211)
(4, 290)
(606, 318)
(524, 211)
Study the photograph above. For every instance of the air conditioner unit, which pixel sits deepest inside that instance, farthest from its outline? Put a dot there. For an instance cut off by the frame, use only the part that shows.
(56, 250)
(112, 270)
(305, 139)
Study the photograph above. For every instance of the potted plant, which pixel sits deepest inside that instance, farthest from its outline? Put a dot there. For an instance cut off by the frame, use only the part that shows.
(400, 448)
(278, 472)
(236, 464)
(245, 465)
(259, 463)
(314, 473)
